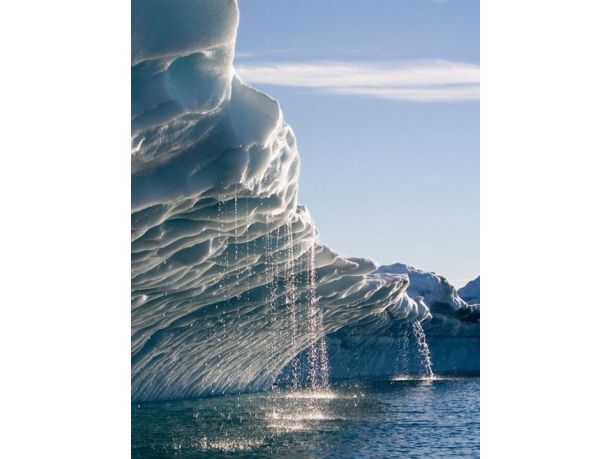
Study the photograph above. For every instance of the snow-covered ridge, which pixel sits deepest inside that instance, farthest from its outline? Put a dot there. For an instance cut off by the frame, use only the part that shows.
(220, 247)
(436, 292)
(432, 288)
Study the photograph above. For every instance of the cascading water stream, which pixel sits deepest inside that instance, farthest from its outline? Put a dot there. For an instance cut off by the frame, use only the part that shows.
(221, 210)
(318, 364)
(402, 364)
(236, 236)
(291, 301)
(423, 348)
(271, 279)
(271, 271)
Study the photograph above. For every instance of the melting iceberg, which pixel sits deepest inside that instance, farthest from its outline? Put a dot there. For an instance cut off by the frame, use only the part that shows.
(218, 239)
(222, 254)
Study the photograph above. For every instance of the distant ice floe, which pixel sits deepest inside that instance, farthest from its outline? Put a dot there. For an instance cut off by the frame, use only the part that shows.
(470, 292)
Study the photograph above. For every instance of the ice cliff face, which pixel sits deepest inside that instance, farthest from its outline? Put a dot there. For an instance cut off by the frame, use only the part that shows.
(222, 255)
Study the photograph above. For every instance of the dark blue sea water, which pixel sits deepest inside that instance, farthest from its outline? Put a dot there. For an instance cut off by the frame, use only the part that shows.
(377, 419)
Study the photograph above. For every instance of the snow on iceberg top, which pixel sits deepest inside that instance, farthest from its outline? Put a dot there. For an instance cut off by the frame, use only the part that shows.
(162, 28)
(433, 288)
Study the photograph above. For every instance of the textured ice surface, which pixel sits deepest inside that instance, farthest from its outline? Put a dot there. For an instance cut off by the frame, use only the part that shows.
(220, 248)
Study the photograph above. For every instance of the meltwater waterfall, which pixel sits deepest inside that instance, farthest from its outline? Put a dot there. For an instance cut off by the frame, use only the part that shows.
(309, 369)
(421, 341)
(413, 355)
(291, 301)
(318, 364)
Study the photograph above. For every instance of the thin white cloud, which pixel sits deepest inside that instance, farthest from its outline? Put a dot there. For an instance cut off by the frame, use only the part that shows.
(420, 81)
(245, 54)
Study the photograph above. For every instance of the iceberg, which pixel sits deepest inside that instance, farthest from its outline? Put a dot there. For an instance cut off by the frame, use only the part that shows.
(220, 248)
(470, 292)
(223, 257)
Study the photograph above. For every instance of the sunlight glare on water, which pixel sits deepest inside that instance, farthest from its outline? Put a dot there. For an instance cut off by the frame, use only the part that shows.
(435, 418)
(311, 394)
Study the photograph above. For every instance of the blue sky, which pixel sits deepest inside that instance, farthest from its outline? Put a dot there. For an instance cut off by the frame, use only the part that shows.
(383, 99)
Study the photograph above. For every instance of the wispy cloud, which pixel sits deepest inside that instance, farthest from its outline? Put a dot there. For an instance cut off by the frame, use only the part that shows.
(416, 81)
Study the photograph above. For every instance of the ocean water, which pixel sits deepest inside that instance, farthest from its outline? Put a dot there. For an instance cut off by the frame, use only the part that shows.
(401, 418)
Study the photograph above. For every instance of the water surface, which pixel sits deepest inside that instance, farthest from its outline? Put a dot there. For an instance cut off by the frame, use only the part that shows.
(402, 418)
